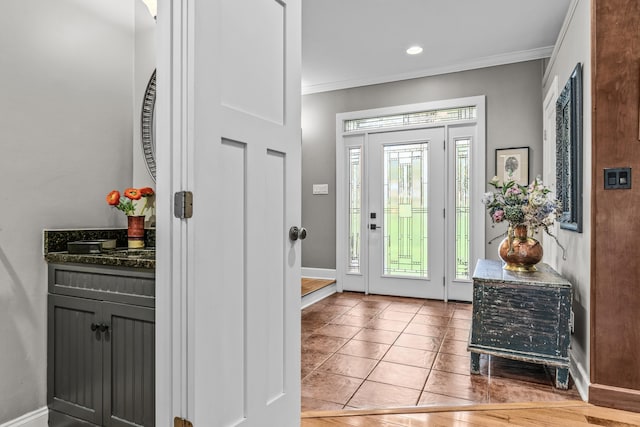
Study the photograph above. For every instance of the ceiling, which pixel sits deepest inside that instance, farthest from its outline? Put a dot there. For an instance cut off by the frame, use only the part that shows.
(349, 43)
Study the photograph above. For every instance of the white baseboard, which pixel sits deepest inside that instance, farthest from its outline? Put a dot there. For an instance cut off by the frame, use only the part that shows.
(318, 295)
(580, 377)
(318, 273)
(37, 418)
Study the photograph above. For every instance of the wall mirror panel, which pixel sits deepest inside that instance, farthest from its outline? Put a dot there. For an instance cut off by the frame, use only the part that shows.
(569, 168)
(148, 126)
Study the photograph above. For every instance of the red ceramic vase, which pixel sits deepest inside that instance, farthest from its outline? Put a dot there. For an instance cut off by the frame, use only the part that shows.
(135, 231)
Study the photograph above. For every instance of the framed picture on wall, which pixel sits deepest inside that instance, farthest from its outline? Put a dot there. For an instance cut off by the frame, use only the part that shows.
(512, 164)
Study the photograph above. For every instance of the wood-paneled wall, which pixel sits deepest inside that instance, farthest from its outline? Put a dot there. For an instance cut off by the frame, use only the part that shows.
(615, 267)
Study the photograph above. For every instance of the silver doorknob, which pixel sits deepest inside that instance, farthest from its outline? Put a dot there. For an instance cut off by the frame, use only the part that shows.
(296, 233)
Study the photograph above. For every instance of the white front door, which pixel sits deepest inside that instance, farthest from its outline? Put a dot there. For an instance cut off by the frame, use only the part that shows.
(231, 282)
(406, 198)
(409, 183)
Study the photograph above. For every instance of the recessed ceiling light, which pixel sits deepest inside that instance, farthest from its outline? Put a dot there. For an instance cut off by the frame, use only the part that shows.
(414, 50)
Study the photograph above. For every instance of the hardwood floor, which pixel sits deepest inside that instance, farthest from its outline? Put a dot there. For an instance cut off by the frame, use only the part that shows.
(566, 414)
(310, 285)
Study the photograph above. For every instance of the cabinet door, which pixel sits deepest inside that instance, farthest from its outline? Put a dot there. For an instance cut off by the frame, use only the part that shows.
(129, 365)
(74, 369)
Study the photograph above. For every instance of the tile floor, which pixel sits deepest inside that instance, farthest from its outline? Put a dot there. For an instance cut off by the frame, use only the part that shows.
(372, 351)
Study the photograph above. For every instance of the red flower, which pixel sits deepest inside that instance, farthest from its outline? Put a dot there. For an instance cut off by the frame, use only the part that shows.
(113, 198)
(132, 193)
(146, 191)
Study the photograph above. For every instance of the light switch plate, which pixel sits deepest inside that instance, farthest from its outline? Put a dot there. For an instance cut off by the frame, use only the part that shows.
(320, 188)
(617, 178)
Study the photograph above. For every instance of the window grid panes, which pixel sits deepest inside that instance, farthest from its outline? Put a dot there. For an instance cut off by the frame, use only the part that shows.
(405, 210)
(462, 208)
(409, 119)
(355, 203)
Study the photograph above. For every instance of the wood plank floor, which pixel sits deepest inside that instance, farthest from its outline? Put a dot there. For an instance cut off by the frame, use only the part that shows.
(310, 285)
(564, 413)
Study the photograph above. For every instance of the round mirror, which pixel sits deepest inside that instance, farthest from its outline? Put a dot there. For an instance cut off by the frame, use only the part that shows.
(148, 127)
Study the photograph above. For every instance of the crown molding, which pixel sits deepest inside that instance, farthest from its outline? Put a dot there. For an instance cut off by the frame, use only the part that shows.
(484, 62)
(561, 35)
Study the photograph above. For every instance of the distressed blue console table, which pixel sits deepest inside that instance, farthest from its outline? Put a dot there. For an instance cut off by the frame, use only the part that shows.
(521, 316)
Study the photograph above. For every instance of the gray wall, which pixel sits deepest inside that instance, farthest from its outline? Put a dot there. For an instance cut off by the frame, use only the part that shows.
(65, 141)
(514, 119)
(144, 63)
(573, 48)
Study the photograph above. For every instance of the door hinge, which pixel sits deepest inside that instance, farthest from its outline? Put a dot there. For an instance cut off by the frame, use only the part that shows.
(444, 212)
(544, 135)
(443, 282)
(181, 422)
(183, 204)
(444, 145)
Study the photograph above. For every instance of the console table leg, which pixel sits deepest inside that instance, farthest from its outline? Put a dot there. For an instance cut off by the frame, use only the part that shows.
(475, 363)
(562, 378)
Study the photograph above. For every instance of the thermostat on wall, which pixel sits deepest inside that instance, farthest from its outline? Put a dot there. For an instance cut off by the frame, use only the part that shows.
(320, 188)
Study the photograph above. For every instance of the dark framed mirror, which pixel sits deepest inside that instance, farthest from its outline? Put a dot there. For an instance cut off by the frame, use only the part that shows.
(148, 126)
(569, 170)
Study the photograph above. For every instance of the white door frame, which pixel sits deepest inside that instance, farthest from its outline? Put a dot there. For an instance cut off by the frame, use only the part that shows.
(172, 148)
(549, 164)
(359, 138)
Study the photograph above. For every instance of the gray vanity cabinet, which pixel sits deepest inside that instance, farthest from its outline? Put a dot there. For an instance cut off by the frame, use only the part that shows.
(101, 353)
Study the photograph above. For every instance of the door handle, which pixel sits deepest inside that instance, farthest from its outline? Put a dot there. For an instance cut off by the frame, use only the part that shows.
(101, 327)
(296, 233)
(374, 227)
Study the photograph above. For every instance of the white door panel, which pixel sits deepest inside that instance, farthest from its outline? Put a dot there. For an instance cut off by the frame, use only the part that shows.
(253, 57)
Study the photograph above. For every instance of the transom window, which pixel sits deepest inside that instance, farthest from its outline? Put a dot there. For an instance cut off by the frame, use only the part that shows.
(409, 119)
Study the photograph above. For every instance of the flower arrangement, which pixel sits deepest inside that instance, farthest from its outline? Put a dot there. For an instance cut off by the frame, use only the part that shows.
(131, 201)
(529, 205)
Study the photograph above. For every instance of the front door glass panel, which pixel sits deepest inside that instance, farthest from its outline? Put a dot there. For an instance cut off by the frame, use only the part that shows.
(406, 210)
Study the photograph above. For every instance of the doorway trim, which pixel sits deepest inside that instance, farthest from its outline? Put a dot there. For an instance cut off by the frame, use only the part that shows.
(478, 174)
(173, 106)
(549, 164)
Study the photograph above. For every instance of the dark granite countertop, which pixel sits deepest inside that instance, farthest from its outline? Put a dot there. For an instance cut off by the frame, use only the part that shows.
(55, 248)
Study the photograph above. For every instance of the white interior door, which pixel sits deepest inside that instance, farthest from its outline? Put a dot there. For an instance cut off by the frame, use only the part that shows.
(406, 198)
(233, 289)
